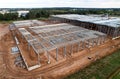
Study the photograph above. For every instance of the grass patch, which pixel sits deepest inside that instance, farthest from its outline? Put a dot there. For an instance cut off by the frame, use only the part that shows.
(4, 22)
(117, 76)
(42, 18)
(100, 69)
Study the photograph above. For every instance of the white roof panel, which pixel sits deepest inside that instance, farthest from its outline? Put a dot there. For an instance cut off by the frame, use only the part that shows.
(97, 19)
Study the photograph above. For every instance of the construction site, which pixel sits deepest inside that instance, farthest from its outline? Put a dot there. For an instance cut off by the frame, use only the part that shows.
(59, 47)
(101, 23)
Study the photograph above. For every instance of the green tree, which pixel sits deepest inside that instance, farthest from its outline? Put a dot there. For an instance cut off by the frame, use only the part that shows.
(1, 16)
(10, 16)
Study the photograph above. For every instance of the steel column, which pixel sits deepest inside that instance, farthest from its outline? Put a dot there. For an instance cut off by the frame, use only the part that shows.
(64, 51)
(56, 54)
(71, 49)
(48, 57)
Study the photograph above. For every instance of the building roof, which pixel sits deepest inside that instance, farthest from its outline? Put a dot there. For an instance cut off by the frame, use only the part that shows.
(97, 19)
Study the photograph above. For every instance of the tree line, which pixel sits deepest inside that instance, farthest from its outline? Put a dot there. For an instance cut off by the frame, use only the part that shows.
(46, 12)
(8, 16)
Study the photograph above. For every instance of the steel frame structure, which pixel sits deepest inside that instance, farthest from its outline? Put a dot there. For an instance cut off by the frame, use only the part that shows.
(110, 26)
(61, 36)
(50, 38)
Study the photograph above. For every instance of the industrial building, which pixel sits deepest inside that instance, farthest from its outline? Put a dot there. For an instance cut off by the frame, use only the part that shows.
(39, 42)
(105, 24)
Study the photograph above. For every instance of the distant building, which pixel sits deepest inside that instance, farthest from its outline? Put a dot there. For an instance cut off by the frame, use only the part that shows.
(4, 11)
(22, 13)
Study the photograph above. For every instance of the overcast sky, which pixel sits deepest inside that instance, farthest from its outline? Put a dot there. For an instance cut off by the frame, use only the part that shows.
(59, 3)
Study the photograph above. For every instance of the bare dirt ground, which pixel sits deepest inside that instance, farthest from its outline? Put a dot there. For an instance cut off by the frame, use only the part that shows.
(3, 29)
(59, 70)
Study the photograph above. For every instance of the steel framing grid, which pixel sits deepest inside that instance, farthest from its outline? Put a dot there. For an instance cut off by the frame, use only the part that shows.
(31, 41)
(53, 37)
(39, 45)
(61, 35)
(26, 23)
